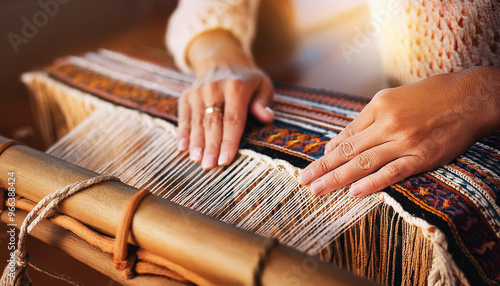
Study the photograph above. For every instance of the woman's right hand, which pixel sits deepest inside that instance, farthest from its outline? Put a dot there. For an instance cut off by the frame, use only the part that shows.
(228, 80)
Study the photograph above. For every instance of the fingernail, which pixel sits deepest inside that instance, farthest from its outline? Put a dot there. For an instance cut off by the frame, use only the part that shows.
(305, 177)
(182, 146)
(196, 154)
(224, 158)
(317, 187)
(269, 110)
(208, 162)
(356, 189)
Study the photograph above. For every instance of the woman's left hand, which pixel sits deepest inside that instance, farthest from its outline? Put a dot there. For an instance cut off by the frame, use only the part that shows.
(408, 130)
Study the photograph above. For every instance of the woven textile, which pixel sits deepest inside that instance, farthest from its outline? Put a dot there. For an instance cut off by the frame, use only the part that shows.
(460, 199)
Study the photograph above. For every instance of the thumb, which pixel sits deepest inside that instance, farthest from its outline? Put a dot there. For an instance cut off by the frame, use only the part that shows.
(259, 107)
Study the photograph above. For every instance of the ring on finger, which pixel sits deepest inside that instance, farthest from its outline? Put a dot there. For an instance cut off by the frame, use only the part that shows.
(216, 107)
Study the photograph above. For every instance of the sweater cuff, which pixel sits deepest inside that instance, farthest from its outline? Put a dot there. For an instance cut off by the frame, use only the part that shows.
(195, 17)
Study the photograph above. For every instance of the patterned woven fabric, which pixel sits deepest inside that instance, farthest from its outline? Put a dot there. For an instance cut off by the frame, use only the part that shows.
(461, 199)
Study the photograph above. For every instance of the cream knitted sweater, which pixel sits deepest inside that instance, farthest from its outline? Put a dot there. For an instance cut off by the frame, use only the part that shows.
(419, 38)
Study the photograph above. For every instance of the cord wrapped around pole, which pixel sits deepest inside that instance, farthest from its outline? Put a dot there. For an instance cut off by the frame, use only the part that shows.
(18, 276)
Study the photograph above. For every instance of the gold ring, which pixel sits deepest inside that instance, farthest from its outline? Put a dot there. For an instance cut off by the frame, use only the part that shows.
(214, 108)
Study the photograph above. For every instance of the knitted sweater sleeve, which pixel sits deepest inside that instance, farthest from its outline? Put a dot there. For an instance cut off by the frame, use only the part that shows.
(194, 17)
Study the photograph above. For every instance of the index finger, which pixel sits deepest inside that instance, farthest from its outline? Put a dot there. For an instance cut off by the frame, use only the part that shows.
(237, 96)
(360, 123)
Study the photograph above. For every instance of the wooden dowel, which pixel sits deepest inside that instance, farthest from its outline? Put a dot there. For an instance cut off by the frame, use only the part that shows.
(214, 249)
(82, 251)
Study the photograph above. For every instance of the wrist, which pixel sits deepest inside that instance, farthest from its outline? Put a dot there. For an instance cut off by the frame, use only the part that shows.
(484, 88)
(216, 47)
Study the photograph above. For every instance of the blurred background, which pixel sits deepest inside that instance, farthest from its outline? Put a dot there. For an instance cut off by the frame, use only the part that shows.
(313, 43)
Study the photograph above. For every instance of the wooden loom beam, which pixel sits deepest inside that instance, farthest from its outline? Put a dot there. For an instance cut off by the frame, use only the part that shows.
(82, 251)
(216, 250)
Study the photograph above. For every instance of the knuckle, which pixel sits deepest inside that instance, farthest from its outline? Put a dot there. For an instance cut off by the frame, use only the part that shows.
(333, 178)
(197, 121)
(408, 136)
(236, 85)
(409, 144)
(429, 152)
(382, 98)
(348, 132)
(394, 171)
(392, 124)
(323, 165)
(365, 161)
(211, 86)
(428, 157)
(211, 120)
(347, 149)
(382, 94)
(232, 118)
(205, 89)
(419, 163)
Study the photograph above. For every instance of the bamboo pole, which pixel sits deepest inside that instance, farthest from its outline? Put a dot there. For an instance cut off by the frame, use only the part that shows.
(82, 251)
(216, 250)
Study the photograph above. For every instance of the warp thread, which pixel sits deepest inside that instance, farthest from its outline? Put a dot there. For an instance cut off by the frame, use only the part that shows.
(19, 276)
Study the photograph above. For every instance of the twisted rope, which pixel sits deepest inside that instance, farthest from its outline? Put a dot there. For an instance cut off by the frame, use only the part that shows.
(19, 276)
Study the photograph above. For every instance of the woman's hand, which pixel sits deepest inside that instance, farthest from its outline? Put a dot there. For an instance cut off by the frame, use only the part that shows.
(408, 130)
(228, 81)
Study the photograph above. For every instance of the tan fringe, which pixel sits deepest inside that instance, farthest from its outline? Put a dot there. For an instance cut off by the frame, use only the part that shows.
(50, 106)
(370, 249)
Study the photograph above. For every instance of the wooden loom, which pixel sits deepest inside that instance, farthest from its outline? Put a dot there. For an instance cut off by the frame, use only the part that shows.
(367, 236)
(225, 255)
